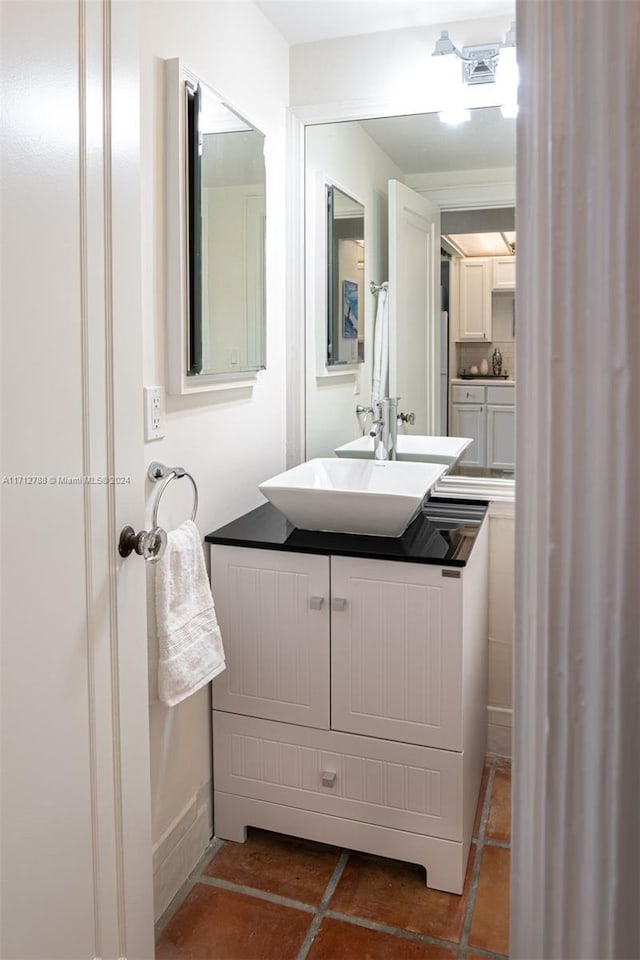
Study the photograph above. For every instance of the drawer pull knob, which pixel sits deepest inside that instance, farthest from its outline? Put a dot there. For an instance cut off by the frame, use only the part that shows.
(328, 778)
(316, 603)
(338, 603)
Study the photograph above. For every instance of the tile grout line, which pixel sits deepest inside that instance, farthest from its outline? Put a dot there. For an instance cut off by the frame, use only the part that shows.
(323, 906)
(400, 932)
(475, 876)
(256, 893)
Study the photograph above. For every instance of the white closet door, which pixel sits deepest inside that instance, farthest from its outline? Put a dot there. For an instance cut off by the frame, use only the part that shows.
(396, 651)
(414, 305)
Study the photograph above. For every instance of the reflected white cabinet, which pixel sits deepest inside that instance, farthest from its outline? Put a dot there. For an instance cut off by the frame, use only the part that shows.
(504, 273)
(488, 414)
(469, 420)
(353, 707)
(501, 437)
(476, 279)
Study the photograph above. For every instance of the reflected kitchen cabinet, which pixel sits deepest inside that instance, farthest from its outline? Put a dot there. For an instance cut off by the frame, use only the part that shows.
(476, 279)
(504, 274)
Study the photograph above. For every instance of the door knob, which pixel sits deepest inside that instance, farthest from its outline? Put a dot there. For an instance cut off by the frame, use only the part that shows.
(149, 545)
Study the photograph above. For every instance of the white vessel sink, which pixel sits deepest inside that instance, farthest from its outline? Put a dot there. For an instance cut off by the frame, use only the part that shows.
(412, 447)
(377, 497)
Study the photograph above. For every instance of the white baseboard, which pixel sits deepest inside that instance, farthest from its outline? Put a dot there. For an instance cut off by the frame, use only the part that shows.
(499, 739)
(179, 850)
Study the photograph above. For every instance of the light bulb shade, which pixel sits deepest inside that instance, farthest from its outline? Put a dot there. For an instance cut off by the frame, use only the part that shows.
(443, 45)
(454, 115)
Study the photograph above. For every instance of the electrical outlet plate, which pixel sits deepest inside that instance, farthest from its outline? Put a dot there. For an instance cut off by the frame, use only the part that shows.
(153, 413)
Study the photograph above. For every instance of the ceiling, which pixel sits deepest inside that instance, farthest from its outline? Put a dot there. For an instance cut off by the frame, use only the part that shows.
(422, 144)
(305, 21)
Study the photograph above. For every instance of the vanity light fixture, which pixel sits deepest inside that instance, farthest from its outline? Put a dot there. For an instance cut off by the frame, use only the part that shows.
(485, 63)
(480, 62)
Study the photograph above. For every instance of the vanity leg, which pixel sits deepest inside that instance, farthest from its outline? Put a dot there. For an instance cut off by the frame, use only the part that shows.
(229, 824)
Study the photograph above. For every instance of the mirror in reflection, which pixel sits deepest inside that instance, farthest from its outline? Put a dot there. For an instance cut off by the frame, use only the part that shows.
(226, 242)
(345, 271)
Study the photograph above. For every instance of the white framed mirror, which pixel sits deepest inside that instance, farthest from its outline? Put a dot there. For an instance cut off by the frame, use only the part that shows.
(215, 251)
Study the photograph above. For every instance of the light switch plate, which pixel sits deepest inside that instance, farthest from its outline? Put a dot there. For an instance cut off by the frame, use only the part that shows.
(153, 413)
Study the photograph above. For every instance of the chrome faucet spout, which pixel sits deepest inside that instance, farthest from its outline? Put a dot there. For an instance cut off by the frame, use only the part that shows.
(384, 429)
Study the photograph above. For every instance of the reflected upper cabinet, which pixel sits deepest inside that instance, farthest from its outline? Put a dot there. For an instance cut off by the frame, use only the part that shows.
(215, 232)
(345, 278)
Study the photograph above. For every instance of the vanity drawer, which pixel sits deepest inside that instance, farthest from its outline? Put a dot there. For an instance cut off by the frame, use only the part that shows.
(501, 395)
(397, 785)
(461, 393)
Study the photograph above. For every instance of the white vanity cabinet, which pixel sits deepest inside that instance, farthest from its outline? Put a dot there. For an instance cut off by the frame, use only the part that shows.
(353, 707)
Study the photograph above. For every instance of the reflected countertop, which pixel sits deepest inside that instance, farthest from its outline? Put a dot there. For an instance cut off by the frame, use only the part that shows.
(484, 381)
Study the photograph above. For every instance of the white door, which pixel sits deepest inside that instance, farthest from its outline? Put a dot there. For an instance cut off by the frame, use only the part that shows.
(414, 306)
(76, 838)
(468, 420)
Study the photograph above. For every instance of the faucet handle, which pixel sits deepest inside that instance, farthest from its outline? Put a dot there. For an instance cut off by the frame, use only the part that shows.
(407, 418)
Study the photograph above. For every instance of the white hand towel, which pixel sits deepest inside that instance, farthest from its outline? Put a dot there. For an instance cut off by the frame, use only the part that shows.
(380, 350)
(189, 641)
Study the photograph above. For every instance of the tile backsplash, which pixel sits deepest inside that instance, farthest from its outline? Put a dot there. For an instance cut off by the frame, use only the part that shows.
(469, 354)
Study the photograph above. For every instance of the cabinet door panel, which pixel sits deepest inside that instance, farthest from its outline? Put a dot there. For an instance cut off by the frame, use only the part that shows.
(475, 299)
(504, 273)
(501, 437)
(276, 642)
(396, 652)
(467, 420)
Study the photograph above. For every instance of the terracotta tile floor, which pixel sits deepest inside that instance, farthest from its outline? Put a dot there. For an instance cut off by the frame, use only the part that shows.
(279, 898)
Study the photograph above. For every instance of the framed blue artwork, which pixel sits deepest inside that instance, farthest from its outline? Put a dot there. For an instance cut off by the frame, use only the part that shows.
(349, 310)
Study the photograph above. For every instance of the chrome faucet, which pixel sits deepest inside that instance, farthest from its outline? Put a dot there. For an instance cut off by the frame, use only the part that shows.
(384, 429)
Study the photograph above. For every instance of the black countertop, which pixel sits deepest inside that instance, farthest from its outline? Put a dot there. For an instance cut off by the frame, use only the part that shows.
(443, 532)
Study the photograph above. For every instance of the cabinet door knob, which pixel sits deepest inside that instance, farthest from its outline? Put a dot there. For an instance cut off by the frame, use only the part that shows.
(338, 603)
(316, 603)
(328, 778)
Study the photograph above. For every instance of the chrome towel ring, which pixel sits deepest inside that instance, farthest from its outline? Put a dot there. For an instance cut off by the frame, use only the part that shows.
(160, 473)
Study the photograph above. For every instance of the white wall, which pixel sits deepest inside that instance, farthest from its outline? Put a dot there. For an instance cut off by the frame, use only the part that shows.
(230, 441)
(347, 157)
(394, 66)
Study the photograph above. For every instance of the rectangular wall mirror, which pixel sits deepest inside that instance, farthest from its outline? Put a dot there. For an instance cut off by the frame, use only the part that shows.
(216, 193)
(345, 278)
(440, 228)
